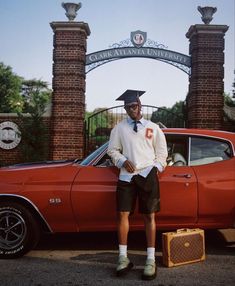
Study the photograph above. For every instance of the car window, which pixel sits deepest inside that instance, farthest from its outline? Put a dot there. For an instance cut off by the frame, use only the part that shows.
(93, 155)
(177, 146)
(105, 161)
(206, 151)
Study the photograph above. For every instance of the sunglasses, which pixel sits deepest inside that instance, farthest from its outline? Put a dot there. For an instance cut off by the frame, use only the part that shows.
(132, 106)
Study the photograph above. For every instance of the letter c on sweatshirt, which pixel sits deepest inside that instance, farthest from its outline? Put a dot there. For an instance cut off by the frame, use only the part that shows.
(149, 133)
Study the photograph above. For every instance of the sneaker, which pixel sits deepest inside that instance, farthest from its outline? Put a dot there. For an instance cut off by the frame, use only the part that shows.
(124, 265)
(150, 270)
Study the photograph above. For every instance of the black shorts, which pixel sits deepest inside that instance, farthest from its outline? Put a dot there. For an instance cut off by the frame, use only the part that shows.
(145, 189)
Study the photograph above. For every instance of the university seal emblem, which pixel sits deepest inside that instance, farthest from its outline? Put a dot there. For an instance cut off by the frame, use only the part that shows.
(9, 135)
(138, 38)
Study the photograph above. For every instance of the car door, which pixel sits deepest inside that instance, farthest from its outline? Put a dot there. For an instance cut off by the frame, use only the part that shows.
(93, 197)
(178, 186)
(179, 197)
(214, 164)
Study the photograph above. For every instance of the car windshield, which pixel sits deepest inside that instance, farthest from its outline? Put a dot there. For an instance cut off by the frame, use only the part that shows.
(93, 155)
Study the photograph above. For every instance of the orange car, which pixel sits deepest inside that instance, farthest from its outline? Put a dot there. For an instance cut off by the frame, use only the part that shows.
(197, 190)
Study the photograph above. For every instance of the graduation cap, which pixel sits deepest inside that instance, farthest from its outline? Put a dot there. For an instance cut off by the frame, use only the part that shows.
(130, 96)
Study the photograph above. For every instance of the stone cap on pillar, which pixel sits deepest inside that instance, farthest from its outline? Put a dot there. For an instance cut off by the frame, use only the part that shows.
(72, 26)
(206, 29)
(71, 12)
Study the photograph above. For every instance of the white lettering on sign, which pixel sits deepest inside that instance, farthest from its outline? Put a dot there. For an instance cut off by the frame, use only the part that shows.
(145, 52)
(9, 135)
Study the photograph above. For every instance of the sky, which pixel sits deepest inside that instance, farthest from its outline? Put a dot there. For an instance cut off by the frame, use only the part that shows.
(26, 44)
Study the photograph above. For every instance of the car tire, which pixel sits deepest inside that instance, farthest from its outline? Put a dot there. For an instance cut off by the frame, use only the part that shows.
(19, 231)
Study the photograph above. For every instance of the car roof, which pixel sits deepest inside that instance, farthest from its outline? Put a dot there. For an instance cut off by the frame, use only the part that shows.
(204, 132)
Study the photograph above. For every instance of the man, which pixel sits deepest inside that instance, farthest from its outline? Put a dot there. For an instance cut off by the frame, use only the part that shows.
(138, 147)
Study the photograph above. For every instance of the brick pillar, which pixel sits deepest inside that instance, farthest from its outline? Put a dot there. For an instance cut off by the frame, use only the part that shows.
(206, 86)
(68, 99)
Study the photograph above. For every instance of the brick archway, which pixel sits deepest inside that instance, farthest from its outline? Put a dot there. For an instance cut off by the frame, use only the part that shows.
(204, 99)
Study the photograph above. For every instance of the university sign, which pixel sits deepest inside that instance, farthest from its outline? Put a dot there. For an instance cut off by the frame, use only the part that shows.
(153, 53)
(138, 40)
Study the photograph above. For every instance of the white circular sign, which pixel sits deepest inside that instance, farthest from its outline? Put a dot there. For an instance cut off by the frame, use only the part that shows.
(9, 135)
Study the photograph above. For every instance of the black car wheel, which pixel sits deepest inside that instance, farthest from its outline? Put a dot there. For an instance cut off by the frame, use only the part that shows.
(19, 231)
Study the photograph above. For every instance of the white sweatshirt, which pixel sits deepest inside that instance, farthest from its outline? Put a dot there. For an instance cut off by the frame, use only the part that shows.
(144, 148)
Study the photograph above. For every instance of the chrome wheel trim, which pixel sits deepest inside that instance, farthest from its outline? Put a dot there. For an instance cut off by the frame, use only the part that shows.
(12, 230)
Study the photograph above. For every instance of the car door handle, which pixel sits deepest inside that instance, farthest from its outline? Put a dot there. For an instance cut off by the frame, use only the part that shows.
(187, 176)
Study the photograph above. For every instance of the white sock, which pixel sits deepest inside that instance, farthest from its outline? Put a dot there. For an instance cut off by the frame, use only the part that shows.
(151, 253)
(122, 250)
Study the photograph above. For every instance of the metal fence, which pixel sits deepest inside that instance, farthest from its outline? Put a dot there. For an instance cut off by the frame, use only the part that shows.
(99, 125)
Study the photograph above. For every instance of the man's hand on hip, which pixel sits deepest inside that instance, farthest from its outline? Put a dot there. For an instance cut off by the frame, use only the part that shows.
(129, 166)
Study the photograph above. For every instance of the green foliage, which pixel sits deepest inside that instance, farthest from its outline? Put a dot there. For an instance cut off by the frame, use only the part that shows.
(228, 100)
(99, 120)
(33, 130)
(36, 96)
(172, 116)
(10, 86)
(34, 134)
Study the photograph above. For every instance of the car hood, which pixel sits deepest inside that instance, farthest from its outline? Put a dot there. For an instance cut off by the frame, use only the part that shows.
(39, 165)
(22, 177)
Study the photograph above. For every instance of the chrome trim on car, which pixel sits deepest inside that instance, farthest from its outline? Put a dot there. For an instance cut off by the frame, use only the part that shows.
(96, 159)
(189, 150)
(32, 204)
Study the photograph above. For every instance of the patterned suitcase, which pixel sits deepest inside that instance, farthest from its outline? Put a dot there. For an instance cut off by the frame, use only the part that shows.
(183, 246)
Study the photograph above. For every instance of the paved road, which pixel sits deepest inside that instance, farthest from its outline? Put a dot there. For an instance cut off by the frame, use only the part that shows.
(90, 259)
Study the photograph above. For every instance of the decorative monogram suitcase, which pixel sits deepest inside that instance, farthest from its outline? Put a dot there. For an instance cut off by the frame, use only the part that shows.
(183, 246)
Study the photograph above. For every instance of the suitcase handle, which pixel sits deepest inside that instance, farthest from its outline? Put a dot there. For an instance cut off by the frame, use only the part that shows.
(183, 230)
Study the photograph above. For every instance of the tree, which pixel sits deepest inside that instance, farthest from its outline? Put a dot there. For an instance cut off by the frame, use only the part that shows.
(98, 126)
(99, 118)
(228, 100)
(172, 116)
(33, 130)
(10, 87)
(36, 95)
